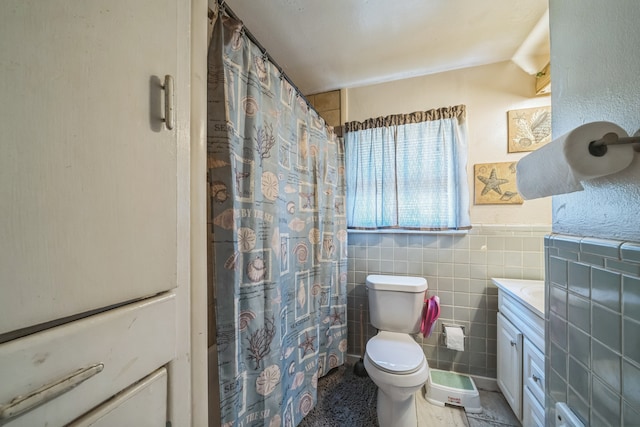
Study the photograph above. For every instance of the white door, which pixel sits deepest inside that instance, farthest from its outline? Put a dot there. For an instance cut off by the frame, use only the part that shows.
(509, 361)
(88, 170)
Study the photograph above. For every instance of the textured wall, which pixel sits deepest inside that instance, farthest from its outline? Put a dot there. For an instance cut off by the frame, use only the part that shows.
(594, 68)
(592, 357)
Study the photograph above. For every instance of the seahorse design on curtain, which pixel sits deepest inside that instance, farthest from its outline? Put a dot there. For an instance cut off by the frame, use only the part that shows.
(276, 175)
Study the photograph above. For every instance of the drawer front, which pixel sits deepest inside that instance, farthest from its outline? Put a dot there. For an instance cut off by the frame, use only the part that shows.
(144, 404)
(77, 366)
(533, 370)
(532, 410)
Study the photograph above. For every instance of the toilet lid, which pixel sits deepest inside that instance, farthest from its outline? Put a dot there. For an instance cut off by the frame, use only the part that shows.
(395, 353)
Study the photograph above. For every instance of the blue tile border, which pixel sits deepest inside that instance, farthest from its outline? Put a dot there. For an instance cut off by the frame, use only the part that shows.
(604, 247)
(591, 249)
(568, 243)
(630, 252)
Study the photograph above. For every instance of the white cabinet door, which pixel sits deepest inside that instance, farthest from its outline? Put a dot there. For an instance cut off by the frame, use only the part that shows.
(509, 361)
(54, 376)
(88, 171)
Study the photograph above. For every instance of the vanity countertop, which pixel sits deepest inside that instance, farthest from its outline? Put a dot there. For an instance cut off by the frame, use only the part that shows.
(529, 292)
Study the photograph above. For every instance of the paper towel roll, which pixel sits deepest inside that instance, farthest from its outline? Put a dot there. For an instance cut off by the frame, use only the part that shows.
(559, 166)
(454, 337)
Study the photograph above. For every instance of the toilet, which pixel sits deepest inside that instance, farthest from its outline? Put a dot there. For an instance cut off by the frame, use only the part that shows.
(393, 359)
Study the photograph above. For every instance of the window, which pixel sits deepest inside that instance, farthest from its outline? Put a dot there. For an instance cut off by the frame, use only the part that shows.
(408, 171)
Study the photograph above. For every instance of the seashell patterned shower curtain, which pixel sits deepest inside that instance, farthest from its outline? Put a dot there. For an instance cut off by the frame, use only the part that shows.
(277, 196)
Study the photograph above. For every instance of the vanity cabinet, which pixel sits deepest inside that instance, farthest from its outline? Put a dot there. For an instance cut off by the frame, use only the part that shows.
(520, 348)
(532, 410)
(533, 377)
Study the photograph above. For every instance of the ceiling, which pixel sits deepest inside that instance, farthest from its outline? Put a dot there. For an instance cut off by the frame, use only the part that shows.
(334, 44)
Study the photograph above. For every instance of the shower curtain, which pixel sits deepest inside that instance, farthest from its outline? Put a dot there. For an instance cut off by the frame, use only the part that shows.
(276, 177)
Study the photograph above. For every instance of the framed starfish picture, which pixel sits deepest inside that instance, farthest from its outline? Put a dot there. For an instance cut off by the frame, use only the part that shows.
(495, 184)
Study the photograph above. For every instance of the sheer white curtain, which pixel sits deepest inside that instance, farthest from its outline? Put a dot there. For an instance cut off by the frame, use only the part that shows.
(408, 171)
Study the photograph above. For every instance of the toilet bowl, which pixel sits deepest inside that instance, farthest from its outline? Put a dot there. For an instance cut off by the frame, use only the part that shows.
(393, 359)
(397, 366)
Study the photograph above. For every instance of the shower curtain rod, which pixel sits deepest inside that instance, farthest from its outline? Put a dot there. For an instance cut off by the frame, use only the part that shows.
(226, 9)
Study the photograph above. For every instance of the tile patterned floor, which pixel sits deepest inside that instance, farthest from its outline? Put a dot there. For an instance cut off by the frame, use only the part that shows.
(495, 412)
(349, 401)
(344, 400)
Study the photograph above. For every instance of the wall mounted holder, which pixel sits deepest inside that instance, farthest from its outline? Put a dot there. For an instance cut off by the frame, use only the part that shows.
(598, 148)
(451, 325)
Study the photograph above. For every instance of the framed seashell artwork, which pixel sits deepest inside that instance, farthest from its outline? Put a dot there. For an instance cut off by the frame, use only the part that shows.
(495, 184)
(528, 129)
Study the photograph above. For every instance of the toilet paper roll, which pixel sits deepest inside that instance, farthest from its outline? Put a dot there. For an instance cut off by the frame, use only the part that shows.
(559, 166)
(454, 337)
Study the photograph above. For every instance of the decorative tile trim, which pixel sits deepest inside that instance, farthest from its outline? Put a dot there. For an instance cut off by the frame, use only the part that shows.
(569, 243)
(593, 250)
(630, 252)
(604, 247)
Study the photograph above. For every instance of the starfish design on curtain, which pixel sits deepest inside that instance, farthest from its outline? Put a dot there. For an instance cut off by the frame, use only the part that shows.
(492, 182)
(336, 317)
(269, 141)
(308, 200)
(307, 344)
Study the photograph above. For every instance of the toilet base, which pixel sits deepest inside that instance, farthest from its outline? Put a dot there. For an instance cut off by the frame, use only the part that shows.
(396, 391)
(393, 413)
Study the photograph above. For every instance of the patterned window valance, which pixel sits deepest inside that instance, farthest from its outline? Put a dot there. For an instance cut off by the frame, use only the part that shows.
(458, 111)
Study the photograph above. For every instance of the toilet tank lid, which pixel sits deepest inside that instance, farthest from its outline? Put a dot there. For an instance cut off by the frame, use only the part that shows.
(381, 282)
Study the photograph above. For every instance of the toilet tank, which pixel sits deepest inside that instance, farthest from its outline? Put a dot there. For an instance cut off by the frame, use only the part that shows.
(395, 302)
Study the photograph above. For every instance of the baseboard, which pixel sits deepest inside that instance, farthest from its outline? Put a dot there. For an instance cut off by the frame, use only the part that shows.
(351, 359)
(485, 383)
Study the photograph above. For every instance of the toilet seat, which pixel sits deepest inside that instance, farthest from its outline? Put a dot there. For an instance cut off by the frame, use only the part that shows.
(395, 353)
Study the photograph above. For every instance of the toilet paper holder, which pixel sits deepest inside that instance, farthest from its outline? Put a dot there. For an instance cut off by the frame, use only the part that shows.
(451, 325)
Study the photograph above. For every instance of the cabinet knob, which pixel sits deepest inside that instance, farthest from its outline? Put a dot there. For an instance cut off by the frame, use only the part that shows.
(513, 343)
(535, 378)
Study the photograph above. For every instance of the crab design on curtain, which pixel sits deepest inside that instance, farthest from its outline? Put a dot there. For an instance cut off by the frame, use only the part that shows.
(276, 176)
